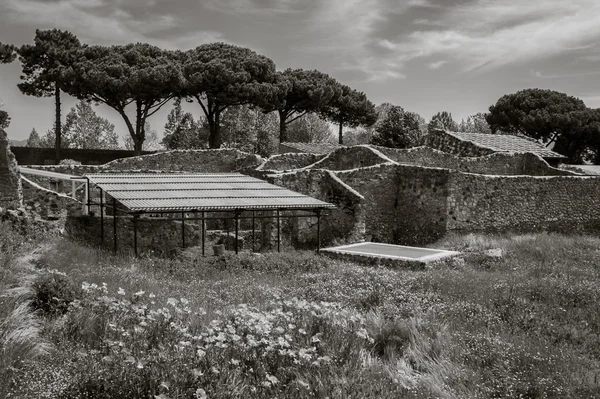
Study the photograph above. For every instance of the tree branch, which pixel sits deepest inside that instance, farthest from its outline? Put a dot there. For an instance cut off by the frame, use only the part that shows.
(157, 107)
(296, 117)
(202, 105)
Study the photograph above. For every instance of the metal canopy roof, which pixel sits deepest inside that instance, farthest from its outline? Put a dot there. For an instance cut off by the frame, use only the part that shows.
(199, 192)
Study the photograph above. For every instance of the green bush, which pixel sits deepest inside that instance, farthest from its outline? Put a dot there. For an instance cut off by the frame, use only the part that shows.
(53, 292)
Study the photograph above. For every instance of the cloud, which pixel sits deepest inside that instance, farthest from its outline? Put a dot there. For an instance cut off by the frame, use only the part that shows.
(541, 75)
(475, 34)
(253, 7)
(436, 64)
(104, 22)
(488, 34)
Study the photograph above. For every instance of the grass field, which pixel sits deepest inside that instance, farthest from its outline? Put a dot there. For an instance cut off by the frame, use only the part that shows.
(521, 321)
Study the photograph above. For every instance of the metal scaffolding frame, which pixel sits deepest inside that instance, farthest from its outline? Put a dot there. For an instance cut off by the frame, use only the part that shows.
(236, 214)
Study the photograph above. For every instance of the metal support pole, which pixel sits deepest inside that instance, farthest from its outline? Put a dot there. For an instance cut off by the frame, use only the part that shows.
(114, 201)
(203, 229)
(253, 236)
(183, 229)
(278, 232)
(318, 211)
(135, 242)
(87, 196)
(237, 230)
(74, 189)
(101, 217)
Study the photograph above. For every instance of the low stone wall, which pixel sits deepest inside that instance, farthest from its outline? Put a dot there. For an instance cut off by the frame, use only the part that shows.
(200, 161)
(158, 236)
(10, 182)
(290, 161)
(507, 164)
(344, 224)
(453, 145)
(49, 205)
(347, 158)
(403, 204)
(46, 156)
(523, 203)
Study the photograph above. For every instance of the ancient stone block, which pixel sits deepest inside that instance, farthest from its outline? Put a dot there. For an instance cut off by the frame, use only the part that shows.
(11, 196)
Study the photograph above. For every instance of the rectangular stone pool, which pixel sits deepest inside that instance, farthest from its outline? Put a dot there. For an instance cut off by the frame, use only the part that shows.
(390, 251)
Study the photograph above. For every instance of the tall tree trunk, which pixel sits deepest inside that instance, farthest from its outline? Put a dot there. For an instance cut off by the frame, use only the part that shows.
(58, 128)
(139, 136)
(282, 128)
(214, 124)
(341, 135)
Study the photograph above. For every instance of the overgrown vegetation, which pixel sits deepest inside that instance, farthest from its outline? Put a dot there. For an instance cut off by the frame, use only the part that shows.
(515, 316)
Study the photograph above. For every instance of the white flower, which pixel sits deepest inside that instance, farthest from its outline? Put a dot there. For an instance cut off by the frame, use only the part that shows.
(272, 379)
(172, 301)
(200, 393)
(121, 291)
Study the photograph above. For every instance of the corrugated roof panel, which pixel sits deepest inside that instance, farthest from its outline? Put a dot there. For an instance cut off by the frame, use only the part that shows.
(507, 142)
(182, 194)
(223, 203)
(179, 191)
(186, 186)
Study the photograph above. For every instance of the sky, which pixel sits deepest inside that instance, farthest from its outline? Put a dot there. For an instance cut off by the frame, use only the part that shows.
(424, 55)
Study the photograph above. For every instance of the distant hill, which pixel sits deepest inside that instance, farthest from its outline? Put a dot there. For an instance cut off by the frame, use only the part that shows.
(18, 143)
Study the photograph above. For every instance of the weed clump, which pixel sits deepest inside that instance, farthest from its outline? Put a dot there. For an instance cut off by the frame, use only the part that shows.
(53, 292)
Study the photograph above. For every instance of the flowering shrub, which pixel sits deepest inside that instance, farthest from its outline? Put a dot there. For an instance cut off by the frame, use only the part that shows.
(137, 348)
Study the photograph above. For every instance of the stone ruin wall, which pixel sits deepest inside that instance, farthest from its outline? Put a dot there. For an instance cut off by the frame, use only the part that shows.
(341, 225)
(289, 161)
(401, 204)
(347, 158)
(452, 145)
(48, 204)
(523, 203)
(506, 164)
(199, 161)
(11, 196)
(158, 236)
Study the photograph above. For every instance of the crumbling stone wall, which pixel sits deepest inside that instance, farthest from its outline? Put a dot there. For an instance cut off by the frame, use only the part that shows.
(49, 205)
(89, 156)
(523, 203)
(11, 196)
(344, 224)
(499, 163)
(442, 141)
(347, 158)
(200, 161)
(403, 204)
(158, 236)
(290, 161)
